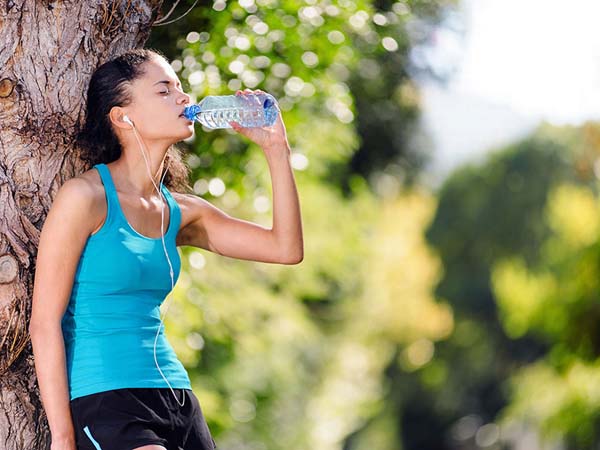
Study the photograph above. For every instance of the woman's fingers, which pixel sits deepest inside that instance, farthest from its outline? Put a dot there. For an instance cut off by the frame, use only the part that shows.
(249, 92)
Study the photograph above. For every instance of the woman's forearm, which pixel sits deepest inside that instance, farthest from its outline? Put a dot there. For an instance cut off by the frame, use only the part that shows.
(287, 222)
(50, 366)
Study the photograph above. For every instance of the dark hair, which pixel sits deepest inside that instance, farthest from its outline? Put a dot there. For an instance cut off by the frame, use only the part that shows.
(108, 88)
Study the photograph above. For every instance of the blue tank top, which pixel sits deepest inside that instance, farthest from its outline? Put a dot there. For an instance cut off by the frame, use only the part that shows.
(113, 315)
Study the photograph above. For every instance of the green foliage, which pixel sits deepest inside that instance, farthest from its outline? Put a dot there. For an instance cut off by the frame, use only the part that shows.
(375, 341)
(518, 237)
(493, 211)
(556, 298)
(295, 357)
(490, 212)
(337, 69)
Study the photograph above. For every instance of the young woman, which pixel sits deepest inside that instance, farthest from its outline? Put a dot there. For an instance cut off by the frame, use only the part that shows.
(108, 377)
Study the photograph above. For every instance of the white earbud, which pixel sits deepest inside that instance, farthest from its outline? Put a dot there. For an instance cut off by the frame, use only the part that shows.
(128, 120)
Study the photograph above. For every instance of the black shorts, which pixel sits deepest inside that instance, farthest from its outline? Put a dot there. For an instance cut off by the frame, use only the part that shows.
(124, 419)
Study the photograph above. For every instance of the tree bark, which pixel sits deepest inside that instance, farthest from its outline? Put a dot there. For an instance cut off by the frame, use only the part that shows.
(48, 51)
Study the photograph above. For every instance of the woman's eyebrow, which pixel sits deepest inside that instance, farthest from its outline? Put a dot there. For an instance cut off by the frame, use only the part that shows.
(167, 82)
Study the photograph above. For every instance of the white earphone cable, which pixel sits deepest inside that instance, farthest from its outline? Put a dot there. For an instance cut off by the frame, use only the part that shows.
(160, 194)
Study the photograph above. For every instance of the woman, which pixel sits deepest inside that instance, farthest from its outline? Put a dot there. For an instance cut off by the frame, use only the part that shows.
(108, 377)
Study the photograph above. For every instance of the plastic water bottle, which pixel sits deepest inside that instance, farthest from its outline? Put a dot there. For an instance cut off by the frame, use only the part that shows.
(216, 111)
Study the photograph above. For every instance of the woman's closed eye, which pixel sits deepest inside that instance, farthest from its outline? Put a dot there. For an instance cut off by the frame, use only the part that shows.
(166, 92)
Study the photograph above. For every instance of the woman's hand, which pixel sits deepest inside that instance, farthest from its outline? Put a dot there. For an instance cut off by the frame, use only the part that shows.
(271, 139)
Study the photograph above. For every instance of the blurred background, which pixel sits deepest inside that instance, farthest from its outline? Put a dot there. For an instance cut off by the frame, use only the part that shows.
(446, 154)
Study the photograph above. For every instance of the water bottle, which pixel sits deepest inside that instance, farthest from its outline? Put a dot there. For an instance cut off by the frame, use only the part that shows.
(253, 110)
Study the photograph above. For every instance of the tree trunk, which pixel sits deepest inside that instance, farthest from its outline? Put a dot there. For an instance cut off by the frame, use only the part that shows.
(48, 51)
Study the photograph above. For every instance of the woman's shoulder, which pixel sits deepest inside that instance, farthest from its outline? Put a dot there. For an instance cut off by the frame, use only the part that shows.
(181, 200)
(180, 197)
(89, 183)
(187, 201)
(190, 205)
(85, 192)
(85, 185)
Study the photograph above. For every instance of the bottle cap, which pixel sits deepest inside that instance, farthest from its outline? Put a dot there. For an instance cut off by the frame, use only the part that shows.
(190, 112)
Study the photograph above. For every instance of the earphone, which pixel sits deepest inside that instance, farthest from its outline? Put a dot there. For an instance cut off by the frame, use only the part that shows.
(160, 194)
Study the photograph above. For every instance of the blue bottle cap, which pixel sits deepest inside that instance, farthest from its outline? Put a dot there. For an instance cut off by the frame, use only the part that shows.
(190, 112)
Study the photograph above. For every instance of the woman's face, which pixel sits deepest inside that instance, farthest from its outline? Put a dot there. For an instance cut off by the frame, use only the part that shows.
(158, 102)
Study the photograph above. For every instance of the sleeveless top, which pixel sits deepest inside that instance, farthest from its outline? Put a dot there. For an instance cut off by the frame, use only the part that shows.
(113, 315)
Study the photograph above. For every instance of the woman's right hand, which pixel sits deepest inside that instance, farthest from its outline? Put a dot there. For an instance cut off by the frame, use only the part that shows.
(65, 443)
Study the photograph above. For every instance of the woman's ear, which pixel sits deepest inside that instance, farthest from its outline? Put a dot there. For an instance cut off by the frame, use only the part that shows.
(116, 116)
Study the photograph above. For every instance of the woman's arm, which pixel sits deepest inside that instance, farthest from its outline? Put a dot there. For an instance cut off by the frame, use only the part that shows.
(62, 239)
(287, 221)
(212, 229)
(50, 367)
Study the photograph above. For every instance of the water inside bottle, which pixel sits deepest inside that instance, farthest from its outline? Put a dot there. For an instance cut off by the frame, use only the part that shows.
(220, 118)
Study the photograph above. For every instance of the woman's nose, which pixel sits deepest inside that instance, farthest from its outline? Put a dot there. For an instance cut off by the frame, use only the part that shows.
(186, 98)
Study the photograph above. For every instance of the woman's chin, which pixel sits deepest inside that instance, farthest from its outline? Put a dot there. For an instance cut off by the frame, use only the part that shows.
(186, 134)
(190, 131)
